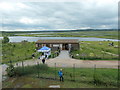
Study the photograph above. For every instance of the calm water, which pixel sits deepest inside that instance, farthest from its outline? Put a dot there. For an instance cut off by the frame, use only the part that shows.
(34, 39)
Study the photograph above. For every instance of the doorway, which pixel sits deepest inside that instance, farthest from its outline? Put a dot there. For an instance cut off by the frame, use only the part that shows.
(65, 47)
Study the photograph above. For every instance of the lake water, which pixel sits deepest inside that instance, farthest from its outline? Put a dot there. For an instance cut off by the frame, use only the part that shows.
(34, 39)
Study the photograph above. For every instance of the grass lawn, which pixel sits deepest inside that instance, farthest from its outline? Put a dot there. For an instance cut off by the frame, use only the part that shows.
(84, 78)
(20, 51)
(31, 82)
(17, 51)
(96, 50)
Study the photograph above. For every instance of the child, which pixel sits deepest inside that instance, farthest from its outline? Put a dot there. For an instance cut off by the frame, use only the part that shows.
(60, 73)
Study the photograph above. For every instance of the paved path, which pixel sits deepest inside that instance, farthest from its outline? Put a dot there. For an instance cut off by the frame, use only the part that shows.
(63, 60)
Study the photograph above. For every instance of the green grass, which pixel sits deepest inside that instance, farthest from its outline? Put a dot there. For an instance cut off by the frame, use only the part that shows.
(21, 51)
(89, 50)
(17, 51)
(31, 82)
(98, 34)
(84, 77)
(93, 50)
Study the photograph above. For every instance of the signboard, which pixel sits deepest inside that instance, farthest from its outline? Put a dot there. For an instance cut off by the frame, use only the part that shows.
(55, 45)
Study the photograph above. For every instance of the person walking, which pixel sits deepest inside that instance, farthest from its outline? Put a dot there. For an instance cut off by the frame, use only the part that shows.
(46, 56)
(43, 60)
(60, 73)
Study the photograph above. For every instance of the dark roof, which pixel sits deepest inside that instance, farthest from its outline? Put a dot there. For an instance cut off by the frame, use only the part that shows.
(58, 41)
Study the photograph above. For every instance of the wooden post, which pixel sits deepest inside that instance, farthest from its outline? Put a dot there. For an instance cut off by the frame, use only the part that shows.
(10, 62)
(118, 81)
(17, 64)
(55, 71)
(23, 66)
(94, 74)
(84, 57)
(74, 72)
(111, 56)
(38, 69)
(103, 55)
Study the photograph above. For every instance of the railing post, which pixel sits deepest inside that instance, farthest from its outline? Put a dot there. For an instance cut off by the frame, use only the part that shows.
(118, 82)
(55, 70)
(38, 68)
(94, 74)
(74, 72)
(23, 66)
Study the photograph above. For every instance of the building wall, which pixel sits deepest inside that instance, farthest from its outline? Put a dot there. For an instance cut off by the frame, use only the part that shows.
(75, 46)
(52, 46)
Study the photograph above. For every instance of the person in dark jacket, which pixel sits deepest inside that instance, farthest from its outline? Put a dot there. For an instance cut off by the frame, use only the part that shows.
(43, 60)
(60, 73)
(46, 56)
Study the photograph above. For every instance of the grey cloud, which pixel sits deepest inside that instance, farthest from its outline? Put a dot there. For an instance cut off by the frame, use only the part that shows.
(61, 15)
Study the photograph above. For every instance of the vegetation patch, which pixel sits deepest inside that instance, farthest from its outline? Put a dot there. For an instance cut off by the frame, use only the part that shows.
(96, 50)
(79, 77)
(17, 51)
(110, 34)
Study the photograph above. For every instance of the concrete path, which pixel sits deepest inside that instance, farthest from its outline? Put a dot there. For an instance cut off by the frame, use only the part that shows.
(63, 60)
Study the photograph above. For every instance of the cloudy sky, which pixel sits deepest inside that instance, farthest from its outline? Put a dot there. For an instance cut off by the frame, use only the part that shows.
(85, 14)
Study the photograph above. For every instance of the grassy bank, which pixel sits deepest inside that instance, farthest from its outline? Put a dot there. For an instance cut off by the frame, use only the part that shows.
(84, 77)
(21, 51)
(17, 51)
(96, 50)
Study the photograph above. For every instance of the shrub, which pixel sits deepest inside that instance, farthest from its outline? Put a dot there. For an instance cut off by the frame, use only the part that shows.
(5, 40)
(102, 80)
(49, 56)
(10, 71)
(97, 79)
(20, 71)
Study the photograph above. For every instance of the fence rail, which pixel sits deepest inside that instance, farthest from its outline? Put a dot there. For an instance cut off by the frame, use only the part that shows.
(92, 75)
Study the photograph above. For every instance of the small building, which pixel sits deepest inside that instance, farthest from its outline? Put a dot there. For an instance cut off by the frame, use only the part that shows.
(62, 44)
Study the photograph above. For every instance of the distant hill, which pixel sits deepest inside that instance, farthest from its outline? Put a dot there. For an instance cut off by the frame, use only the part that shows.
(76, 30)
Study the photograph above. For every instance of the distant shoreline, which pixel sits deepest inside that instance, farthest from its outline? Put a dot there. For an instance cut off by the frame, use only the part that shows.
(76, 30)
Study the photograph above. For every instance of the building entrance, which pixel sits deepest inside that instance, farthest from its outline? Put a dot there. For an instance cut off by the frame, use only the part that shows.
(65, 47)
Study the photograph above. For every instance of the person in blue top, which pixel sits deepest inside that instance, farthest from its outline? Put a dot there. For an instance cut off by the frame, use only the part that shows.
(60, 73)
